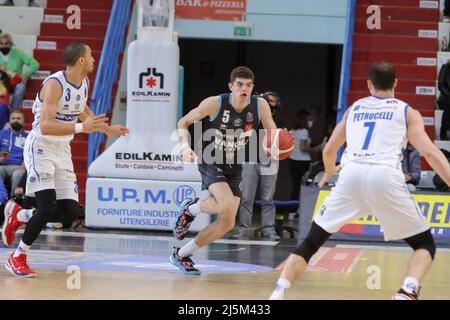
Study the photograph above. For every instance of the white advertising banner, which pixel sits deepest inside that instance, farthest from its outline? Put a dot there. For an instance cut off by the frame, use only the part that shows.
(139, 204)
(149, 151)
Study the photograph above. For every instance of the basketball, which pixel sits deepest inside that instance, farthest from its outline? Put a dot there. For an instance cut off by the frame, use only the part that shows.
(278, 144)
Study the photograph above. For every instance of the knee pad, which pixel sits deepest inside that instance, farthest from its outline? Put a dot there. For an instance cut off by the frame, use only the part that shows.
(313, 241)
(46, 205)
(424, 241)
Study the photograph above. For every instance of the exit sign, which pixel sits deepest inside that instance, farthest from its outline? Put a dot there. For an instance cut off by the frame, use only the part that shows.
(243, 29)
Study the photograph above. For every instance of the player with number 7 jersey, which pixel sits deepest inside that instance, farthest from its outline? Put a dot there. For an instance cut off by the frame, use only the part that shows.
(371, 181)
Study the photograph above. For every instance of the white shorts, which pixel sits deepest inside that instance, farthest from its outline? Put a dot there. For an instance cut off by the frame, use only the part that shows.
(372, 189)
(49, 166)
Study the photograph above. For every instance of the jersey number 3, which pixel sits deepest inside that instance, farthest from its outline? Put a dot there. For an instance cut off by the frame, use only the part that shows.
(371, 126)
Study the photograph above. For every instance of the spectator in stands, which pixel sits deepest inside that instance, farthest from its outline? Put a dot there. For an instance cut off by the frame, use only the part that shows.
(438, 182)
(265, 176)
(411, 167)
(300, 159)
(444, 98)
(6, 87)
(446, 11)
(12, 61)
(12, 141)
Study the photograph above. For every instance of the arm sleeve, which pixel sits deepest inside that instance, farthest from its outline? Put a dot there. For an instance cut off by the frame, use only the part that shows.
(32, 64)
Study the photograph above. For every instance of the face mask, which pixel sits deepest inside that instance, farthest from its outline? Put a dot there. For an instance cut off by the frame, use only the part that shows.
(310, 123)
(5, 50)
(16, 126)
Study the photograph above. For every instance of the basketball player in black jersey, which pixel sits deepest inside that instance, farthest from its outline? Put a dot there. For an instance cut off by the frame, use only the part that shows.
(228, 122)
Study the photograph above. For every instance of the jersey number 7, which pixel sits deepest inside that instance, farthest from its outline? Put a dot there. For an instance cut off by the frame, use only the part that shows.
(371, 126)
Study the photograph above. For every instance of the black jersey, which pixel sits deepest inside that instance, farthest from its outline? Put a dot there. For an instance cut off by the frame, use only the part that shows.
(226, 135)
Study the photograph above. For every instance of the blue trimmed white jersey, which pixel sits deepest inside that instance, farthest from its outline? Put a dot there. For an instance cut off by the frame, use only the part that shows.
(70, 105)
(376, 131)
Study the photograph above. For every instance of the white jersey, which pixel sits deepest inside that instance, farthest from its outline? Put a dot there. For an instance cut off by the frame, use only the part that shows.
(376, 131)
(70, 105)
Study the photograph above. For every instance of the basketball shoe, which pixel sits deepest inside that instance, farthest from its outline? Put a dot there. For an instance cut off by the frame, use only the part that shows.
(185, 264)
(18, 266)
(11, 224)
(183, 220)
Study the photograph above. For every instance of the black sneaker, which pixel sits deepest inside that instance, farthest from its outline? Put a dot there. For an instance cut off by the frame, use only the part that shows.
(183, 220)
(185, 264)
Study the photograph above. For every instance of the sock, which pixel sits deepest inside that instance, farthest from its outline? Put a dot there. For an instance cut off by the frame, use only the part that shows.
(188, 248)
(410, 285)
(24, 215)
(22, 248)
(280, 289)
(194, 208)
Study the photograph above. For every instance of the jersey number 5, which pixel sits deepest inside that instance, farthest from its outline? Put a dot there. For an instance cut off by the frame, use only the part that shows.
(371, 126)
(226, 116)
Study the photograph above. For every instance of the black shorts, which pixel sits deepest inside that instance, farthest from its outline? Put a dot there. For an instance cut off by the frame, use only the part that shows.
(221, 173)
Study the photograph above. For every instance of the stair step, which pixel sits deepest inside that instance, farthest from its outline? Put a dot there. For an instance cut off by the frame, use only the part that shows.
(400, 13)
(51, 56)
(88, 16)
(60, 29)
(61, 42)
(83, 4)
(398, 3)
(404, 71)
(81, 180)
(79, 148)
(393, 42)
(81, 196)
(34, 85)
(416, 101)
(397, 27)
(404, 85)
(393, 56)
(80, 163)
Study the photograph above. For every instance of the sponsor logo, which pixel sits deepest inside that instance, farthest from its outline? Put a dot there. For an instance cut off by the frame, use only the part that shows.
(78, 97)
(182, 193)
(40, 151)
(249, 117)
(148, 156)
(152, 83)
(152, 79)
(132, 195)
(67, 117)
(32, 179)
(237, 122)
(248, 127)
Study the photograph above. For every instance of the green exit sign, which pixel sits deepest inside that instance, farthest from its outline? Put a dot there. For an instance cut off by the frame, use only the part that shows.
(243, 29)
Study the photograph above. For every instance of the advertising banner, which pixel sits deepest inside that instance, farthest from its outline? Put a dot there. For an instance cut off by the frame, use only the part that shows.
(233, 10)
(150, 150)
(139, 204)
(436, 209)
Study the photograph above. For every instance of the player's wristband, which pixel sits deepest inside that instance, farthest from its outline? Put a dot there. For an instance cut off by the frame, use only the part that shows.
(78, 127)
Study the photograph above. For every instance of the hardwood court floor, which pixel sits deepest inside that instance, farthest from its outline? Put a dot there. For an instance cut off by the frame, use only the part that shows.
(132, 265)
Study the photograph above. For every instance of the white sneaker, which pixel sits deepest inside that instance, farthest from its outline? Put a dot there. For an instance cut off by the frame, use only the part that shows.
(278, 295)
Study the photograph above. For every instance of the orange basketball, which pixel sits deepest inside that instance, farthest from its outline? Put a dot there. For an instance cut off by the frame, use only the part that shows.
(278, 144)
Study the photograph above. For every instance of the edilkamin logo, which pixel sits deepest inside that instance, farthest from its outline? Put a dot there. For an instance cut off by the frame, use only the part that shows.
(151, 76)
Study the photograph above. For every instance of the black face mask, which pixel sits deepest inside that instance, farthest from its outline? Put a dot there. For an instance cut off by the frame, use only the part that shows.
(5, 50)
(16, 126)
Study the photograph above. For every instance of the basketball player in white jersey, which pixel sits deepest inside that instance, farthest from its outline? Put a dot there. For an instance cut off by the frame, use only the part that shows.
(376, 129)
(59, 103)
